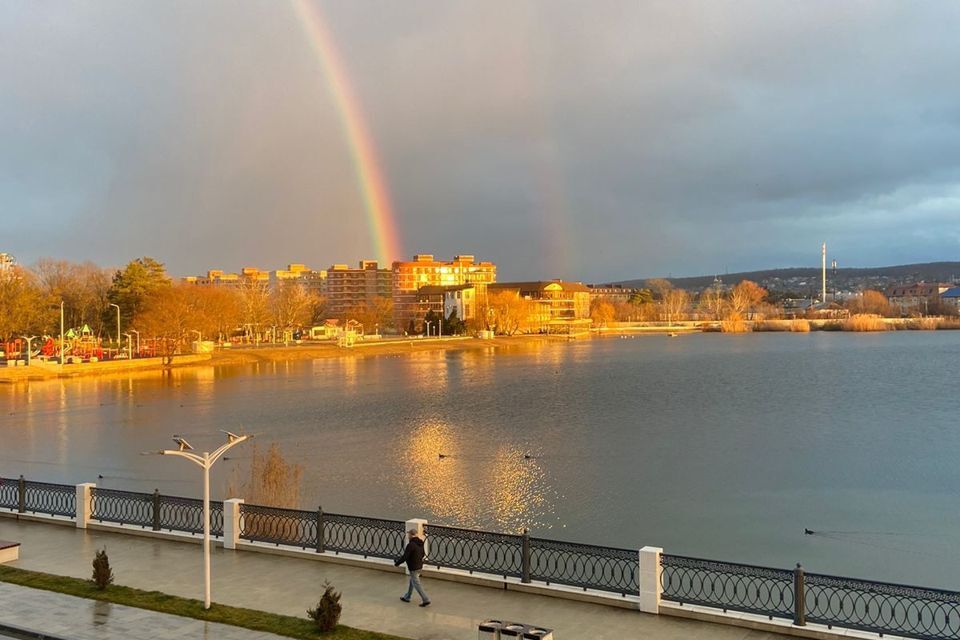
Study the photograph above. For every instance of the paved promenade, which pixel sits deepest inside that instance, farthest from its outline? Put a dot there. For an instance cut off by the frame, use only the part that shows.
(371, 598)
(81, 619)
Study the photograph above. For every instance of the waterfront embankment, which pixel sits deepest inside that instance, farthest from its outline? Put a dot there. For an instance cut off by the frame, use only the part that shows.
(39, 370)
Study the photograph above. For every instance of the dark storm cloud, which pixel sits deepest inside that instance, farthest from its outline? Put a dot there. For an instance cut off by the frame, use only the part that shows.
(592, 140)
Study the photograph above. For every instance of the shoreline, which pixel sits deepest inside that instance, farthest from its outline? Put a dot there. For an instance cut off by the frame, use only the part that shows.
(247, 355)
(265, 354)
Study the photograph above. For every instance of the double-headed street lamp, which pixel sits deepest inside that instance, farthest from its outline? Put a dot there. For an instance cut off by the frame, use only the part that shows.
(205, 461)
(29, 340)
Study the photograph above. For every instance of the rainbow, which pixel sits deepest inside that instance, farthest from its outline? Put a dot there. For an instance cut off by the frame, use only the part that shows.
(370, 180)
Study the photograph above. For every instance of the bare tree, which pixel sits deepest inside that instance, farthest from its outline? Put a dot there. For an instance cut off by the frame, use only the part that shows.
(254, 305)
(659, 287)
(712, 301)
(745, 296)
(273, 482)
(24, 309)
(292, 305)
(675, 304)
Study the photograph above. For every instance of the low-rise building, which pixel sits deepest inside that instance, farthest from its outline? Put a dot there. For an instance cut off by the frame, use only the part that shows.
(916, 296)
(560, 307)
(951, 297)
(611, 292)
(461, 299)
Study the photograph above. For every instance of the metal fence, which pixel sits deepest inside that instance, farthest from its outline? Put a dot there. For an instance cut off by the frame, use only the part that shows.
(46, 497)
(727, 586)
(496, 553)
(154, 511)
(30, 496)
(278, 526)
(369, 537)
(9, 493)
(877, 607)
(584, 565)
(864, 605)
(881, 607)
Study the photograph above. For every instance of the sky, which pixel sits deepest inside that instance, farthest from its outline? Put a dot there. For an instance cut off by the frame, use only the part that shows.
(592, 141)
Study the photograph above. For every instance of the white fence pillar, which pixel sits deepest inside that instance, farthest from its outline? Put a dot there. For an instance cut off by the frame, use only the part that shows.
(84, 507)
(231, 522)
(650, 579)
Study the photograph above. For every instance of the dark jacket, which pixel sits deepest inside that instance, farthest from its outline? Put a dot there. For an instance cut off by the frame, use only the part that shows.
(413, 555)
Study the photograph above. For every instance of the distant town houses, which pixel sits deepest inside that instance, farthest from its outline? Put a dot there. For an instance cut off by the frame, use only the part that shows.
(951, 297)
(916, 296)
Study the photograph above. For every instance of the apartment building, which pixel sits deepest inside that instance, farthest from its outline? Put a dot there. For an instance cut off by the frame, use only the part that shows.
(313, 281)
(348, 288)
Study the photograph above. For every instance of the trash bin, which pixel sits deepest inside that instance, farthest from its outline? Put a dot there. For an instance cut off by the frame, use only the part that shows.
(489, 630)
(538, 633)
(512, 630)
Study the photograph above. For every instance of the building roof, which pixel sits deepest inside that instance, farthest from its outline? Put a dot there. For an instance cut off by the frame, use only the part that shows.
(953, 292)
(539, 285)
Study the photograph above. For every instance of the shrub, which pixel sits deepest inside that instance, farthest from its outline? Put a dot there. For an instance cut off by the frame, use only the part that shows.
(772, 325)
(864, 322)
(948, 323)
(800, 326)
(923, 324)
(327, 612)
(102, 573)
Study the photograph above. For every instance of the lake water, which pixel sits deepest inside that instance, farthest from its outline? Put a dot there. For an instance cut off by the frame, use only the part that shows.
(718, 446)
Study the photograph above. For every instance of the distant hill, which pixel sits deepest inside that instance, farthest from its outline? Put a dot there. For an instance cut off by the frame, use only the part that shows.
(801, 279)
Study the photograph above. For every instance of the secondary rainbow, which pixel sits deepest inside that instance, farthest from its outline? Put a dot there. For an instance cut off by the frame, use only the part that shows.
(370, 180)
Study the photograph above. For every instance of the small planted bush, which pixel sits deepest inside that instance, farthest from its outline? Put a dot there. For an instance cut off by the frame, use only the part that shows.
(327, 612)
(102, 573)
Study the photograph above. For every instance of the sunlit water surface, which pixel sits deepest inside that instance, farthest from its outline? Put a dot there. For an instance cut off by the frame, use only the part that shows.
(718, 446)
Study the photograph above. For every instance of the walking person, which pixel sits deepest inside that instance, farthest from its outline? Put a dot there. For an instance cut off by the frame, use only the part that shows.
(413, 555)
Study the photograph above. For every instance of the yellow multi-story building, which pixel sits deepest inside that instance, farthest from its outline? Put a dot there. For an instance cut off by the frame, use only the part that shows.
(425, 271)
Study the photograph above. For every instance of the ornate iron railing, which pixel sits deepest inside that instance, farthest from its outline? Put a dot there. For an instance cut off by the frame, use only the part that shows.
(369, 537)
(728, 586)
(471, 550)
(9, 493)
(53, 499)
(122, 507)
(278, 526)
(186, 514)
(881, 607)
(584, 565)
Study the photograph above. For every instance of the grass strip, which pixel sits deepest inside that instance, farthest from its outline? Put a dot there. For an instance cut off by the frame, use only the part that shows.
(164, 603)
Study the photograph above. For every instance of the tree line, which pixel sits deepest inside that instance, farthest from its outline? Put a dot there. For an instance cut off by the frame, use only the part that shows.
(149, 301)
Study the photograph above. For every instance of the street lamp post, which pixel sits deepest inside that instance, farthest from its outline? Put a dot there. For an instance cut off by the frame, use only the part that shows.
(204, 461)
(427, 322)
(129, 346)
(138, 340)
(62, 344)
(118, 324)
